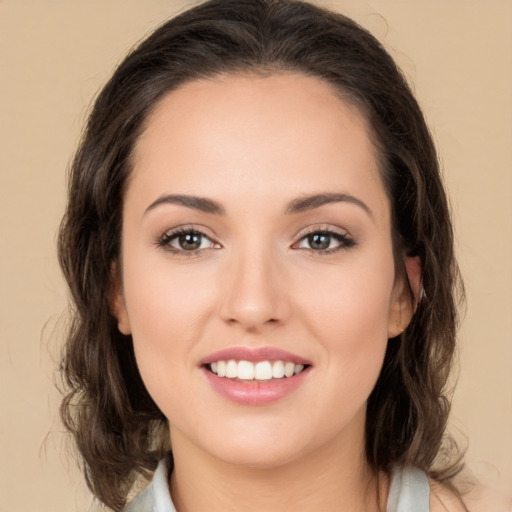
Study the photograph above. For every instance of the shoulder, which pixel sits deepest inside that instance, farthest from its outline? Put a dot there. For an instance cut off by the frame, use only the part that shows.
(444, 499)
(478, 499)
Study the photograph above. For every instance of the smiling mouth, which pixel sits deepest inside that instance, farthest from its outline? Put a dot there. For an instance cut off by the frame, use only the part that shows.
(258, 371)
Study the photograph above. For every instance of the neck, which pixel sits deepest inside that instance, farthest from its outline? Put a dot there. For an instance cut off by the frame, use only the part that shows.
(334, 477)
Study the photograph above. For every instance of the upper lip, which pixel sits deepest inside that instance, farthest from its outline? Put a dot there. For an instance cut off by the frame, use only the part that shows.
(254, 355)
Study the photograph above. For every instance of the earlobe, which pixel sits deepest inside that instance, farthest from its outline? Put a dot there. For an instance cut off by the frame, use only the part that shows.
(116, 301)
(405, 296)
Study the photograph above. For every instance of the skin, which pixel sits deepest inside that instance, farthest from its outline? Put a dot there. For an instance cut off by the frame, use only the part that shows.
(253, 145)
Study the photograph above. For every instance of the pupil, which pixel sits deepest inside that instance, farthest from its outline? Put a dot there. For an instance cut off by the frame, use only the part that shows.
(319, 241)
(190, 241)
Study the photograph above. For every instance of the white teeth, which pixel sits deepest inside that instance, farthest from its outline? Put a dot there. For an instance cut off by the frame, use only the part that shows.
(262, 370)
(289, 369)
(231, 369)
(245, 370)
(221, 368)
(278, 370)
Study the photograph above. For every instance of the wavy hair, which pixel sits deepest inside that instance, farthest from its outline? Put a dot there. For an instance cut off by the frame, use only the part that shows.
(119, 431)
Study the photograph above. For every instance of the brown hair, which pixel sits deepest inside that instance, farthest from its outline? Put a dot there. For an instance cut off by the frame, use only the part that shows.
(119, 431)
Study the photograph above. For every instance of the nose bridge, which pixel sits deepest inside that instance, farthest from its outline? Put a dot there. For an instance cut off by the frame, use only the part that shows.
(253, 294)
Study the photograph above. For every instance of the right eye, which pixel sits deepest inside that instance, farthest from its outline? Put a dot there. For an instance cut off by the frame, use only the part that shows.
(186, 241)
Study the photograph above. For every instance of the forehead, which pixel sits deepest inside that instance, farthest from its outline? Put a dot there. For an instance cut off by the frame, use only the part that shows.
(287, 132)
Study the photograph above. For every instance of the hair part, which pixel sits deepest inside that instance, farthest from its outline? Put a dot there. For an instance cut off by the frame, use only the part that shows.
(119, 431)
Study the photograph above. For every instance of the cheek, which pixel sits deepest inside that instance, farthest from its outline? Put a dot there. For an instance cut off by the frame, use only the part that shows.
(350, 302)
(347, 311)
(162, 299)
(167, 312)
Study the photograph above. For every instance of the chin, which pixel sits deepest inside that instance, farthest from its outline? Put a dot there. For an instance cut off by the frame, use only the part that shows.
(265, 446)
(257, 457)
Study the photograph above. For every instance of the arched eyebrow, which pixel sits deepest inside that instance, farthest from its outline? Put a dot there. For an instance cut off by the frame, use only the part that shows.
(311, 202)
(197, 203)
(295, 206)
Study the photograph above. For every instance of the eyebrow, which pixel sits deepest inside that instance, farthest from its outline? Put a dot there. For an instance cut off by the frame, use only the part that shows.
(311, 202)
(197, 203)
(295, 206)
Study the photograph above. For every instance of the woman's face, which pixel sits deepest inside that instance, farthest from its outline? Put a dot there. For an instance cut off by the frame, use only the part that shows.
(257, 241)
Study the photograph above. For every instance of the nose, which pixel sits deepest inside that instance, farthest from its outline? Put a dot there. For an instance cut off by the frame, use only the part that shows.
(254, 293)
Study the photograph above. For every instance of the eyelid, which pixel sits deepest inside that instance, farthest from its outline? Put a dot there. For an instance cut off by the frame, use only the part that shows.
(346, 242)
(322, 228)
(162, 240)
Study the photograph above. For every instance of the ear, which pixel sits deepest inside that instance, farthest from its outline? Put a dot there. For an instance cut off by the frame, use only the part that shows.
(116, 300)
(405, 296)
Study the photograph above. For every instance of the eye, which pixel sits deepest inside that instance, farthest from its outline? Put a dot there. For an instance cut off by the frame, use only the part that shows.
(186, 240)
(324, 241)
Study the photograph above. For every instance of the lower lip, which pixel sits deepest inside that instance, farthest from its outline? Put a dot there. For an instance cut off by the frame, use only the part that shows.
(255, 392)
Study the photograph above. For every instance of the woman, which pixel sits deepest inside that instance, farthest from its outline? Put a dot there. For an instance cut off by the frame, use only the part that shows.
(260, 254)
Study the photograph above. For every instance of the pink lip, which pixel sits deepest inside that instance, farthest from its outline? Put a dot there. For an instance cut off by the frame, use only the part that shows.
(254, 355)
(255, 392)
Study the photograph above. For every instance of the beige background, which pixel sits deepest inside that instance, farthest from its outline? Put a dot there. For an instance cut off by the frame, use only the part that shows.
(55, 54)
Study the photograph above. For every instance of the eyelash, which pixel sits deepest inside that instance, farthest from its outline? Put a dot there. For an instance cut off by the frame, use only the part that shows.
(164, 241)
(344, 241)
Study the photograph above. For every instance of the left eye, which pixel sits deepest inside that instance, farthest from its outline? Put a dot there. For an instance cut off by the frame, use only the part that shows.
(323, 241)
(187, 241)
